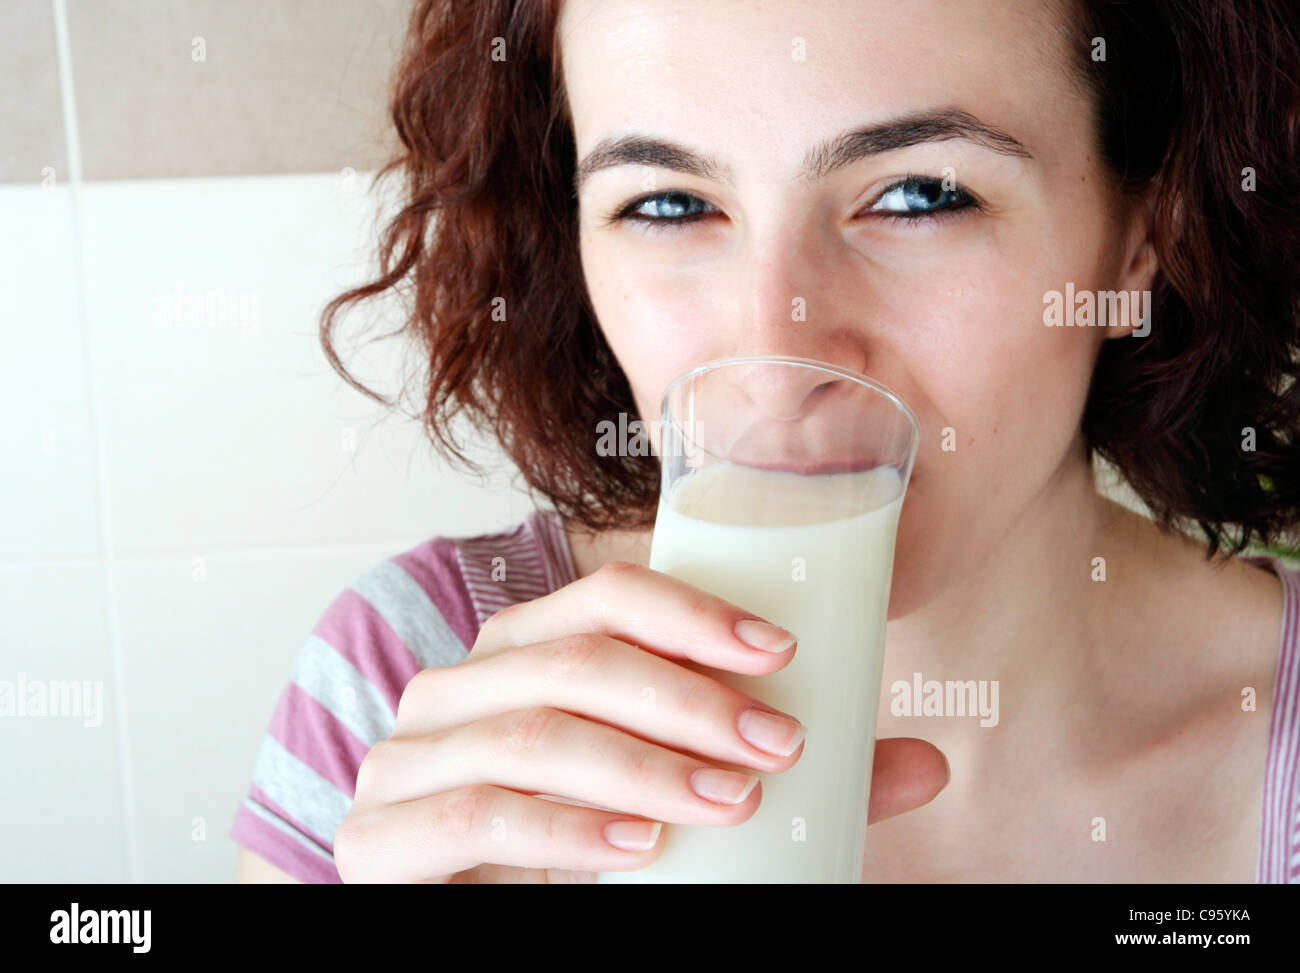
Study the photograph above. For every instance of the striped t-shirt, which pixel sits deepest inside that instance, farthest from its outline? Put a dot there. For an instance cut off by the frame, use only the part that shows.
(425, 607)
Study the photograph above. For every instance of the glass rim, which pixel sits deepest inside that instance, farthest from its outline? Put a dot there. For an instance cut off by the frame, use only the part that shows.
(813, 363)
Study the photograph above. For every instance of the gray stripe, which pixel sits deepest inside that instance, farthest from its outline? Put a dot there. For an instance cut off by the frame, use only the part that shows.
(407, 609)
(298, 836)
(305, 795)
(351, 698)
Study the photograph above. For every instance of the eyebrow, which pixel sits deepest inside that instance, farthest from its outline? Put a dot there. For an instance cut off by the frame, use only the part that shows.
(824, 158)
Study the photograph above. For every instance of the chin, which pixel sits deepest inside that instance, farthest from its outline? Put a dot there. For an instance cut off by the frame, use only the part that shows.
(922, 561)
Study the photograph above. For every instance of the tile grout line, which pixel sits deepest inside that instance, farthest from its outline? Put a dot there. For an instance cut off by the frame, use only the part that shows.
(396, 546)
(68, 96)
(100, 457)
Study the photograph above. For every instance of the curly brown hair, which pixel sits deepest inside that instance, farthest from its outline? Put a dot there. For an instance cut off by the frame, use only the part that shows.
(1190, 94)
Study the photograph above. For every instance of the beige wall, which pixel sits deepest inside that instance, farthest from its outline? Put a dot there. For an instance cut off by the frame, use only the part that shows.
(283, 86)
(186, 484)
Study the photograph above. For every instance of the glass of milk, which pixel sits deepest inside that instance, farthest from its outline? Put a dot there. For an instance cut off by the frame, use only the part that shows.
(782, 484)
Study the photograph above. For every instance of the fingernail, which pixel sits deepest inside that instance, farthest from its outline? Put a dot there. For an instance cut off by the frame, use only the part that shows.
(763, 635)
(768, 731)
(633, 835)
(947, 768)
(722, 786)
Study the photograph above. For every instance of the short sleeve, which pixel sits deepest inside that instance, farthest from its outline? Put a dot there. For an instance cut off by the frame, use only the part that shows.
(405, 614)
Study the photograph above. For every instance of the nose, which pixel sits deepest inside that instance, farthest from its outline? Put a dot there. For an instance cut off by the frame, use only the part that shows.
(788, 307)
(783, 394)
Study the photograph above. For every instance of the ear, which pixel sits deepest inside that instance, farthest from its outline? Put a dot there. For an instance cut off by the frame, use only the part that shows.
(1138, 270)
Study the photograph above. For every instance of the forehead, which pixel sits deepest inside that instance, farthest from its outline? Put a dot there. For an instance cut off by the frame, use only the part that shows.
(780, 74)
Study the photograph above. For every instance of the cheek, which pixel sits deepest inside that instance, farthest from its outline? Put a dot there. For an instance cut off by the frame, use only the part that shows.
(652, 322)
(1000, 397)
(981, 359)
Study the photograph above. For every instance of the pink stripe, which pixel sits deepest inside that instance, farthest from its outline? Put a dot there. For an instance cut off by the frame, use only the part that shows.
(315, 736)
(535, 575)
(1289, 742)
(478, 578)
(1263, 867)
(260, 796)
(488, 605)
(555, 545)
(1279, 829)
(1289, 780)
(516, 562)
(359, 634)
(478, 585)
(433, 566)
(1269, 841)
(1264, 863)
(569, 572)
(516, 543)
(510, 543)
(263, 839)
(524, 578)
(507, 594)
(1264, 871)
(475, 560)
(535, 578)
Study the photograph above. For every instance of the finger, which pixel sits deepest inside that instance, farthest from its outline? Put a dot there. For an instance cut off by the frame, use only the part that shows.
(550, 751)
(442, 834)
(648, 609)
(612, 682)
(907, 773)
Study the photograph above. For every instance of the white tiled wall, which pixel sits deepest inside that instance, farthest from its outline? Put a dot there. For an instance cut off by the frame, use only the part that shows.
(49, 456)
(183, 496)
(62, 817)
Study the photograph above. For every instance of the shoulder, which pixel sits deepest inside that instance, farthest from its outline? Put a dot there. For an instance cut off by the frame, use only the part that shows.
(1275, 605)
(418, 609)
(523, 562)
(1221, 618)
(1232, 632)
(1279, 860)
(428, 603)
(423, 607)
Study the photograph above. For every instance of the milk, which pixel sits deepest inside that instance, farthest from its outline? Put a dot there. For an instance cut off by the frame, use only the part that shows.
(813, 554)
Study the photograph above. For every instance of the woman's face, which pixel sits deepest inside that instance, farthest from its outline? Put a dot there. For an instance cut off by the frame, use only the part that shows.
(944, 304)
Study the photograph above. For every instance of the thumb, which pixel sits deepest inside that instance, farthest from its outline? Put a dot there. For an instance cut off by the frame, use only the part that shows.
(906, 774)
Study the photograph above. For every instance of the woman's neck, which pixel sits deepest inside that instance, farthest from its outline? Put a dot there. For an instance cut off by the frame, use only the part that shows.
(591, 550)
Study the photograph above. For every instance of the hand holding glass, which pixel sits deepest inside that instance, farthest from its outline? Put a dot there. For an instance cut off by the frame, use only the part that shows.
(783, 479)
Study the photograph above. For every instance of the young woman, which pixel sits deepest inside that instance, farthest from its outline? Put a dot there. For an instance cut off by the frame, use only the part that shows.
(600, 194)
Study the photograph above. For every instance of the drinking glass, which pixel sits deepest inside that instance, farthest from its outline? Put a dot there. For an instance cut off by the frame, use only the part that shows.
(782, 482)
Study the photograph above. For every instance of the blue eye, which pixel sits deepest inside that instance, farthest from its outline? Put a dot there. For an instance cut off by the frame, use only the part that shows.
(668, 208)
(911, 199)
(917, 197)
